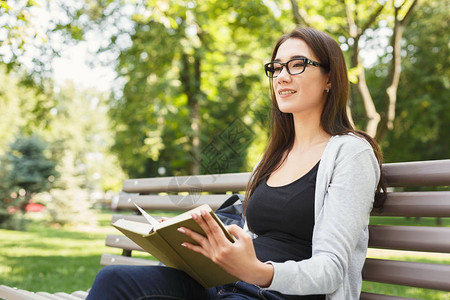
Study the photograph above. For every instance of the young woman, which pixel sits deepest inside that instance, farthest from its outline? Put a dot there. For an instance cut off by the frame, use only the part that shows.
(308, 200)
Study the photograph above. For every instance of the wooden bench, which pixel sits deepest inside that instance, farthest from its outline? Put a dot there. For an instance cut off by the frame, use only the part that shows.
(185, 192)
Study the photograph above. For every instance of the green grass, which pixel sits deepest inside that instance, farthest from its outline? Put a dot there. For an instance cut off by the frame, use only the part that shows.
(408, 221)
(65, 260)
(52, 259)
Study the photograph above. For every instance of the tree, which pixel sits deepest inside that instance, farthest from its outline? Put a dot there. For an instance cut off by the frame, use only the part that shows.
(28, 170)
(359, 25)
(24, 110)
(186, 79)
(81, 138)
(422, 125)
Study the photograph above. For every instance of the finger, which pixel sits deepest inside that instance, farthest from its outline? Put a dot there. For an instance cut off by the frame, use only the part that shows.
(204, 226)
(238, 232)
(216, 235)
(200, 239)
(196, 248)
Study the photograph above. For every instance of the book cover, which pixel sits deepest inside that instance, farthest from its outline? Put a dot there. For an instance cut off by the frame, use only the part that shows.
(163, 241)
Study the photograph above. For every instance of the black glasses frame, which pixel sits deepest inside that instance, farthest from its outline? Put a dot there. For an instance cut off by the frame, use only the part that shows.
(305, 60)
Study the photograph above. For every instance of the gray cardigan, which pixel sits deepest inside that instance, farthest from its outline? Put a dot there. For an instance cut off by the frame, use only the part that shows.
(345, 187)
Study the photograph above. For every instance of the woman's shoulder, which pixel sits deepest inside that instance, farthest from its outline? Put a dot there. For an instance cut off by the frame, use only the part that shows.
(349, 143)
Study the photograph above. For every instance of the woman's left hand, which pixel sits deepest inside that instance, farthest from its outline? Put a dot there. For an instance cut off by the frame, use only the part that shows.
(238, 258)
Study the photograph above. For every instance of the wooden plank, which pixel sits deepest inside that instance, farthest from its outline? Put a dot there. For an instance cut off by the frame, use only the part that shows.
(414, 238)
(171, 202)
(122, 242)
(80, 294)
(9, 293)
(415, 274)
(416, 204)
(231, 182)
(48, 296)
(111, 259)
(372, 296)
(419, 173)
(66, 296)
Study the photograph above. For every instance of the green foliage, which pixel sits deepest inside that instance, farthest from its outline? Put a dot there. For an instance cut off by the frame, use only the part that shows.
(187, 77)
(192, 91)
(23, 110)
(27, 171)
(31, 169)
(422, 124)
(80, 134)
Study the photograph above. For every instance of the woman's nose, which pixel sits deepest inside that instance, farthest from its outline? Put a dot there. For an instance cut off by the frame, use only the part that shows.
(284, 75)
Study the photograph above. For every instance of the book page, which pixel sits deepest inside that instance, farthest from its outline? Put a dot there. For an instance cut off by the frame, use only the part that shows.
(149, 218)
(183, 217)
(136, 227)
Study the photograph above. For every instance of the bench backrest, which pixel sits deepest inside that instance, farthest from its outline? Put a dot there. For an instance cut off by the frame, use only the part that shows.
(186, 192)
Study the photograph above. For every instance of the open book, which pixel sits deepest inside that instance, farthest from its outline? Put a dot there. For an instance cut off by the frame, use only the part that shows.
(163, 241)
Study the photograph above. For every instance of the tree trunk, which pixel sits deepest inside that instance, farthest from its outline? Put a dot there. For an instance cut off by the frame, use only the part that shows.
(373, 118)
(388, 117)
(191, 84)
(300, 16)
(363, 90)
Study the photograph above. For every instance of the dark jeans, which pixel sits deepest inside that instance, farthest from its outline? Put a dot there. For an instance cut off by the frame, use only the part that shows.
(157, 282)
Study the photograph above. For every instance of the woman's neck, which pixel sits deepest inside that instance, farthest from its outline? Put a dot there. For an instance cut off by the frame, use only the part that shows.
(308, 132)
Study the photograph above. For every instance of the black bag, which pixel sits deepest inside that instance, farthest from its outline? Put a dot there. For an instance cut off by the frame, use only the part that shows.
(231, 213)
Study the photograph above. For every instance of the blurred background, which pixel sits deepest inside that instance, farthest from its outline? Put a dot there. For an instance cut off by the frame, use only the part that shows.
(96, 91)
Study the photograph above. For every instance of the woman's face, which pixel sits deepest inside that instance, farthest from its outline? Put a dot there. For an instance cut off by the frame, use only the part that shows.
(305, 93)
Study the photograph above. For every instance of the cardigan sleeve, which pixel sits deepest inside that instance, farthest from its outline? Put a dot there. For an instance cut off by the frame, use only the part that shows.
(339, 226)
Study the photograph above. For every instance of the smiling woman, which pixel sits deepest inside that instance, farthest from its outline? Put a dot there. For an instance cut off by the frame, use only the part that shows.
(308, 200)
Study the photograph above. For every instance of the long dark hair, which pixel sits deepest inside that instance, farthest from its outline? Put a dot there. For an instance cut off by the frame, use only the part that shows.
(334, 119)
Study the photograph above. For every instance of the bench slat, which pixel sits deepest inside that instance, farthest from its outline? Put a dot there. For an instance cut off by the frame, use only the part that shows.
(418, 173)
(80, 294)
(9, 293)
(412, 238)
(122, 242)
(415, 274)
(111, 259)
(170, 202)
(372, 296)
(66, 296)
(232, 182)
(415, 238)
(416, 204)
(49, 296)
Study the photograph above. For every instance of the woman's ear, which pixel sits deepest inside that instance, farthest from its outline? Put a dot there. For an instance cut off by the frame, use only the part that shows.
(328, 86)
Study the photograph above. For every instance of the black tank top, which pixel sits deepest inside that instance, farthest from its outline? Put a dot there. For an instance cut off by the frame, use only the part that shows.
(283, 219)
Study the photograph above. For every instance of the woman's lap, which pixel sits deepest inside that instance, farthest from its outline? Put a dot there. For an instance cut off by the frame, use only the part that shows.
(158, 282)
(144, 282)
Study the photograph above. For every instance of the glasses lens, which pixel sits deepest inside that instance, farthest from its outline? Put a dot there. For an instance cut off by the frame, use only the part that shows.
(296, 66)
(273, 69)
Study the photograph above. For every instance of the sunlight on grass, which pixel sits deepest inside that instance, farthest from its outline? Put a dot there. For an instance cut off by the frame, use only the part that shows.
(52, 259)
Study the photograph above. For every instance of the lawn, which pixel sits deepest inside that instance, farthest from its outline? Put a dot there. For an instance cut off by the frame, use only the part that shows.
(64, 259)
(53, 259)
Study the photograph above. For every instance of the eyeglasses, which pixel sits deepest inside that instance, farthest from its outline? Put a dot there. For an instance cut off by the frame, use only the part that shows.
(293, 66)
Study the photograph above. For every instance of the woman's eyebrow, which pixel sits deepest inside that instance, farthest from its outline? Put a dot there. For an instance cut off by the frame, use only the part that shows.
(292, 57)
